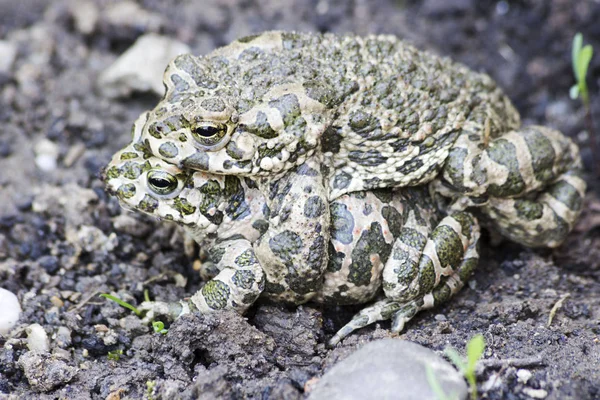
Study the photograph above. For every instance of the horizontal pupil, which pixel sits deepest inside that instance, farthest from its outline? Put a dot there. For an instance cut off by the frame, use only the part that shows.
(160, 183)
(207, 131)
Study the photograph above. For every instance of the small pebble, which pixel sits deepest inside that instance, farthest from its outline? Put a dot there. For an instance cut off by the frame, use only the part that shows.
(37, 338)
(63, 337)
(535, 393)
(11, 310)
(492, 383)
(57, 301)
(74, 153)
(85, 15)
(46, 155)
(523, 375)
(8, 53)
(50, 264)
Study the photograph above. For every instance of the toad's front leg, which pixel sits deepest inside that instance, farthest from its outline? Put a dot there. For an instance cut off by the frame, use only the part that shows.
(238, 284)
(293, 250)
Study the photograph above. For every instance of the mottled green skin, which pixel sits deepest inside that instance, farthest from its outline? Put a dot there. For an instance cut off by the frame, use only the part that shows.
(365, 113)
(375, 111)
(395, 240)
(306, 164)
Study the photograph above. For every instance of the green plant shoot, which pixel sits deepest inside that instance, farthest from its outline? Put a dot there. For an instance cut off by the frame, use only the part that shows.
(115, 355)
(159, 327)
(122, 303)
(475, 348)
(581, 57)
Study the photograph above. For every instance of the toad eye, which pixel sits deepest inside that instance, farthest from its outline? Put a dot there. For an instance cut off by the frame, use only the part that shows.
(210, 135)
(161, 182)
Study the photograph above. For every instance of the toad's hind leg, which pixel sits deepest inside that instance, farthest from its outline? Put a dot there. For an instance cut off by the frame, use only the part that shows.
(527, 181)
(422, 273)
(542, 221)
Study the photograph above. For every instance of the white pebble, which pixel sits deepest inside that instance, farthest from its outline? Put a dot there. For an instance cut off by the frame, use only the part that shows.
(493, 382)
(85, 15)
(37, 339)
(11, 310)
(8, 53)
(46, 155)
(535, 393)
(523, 375)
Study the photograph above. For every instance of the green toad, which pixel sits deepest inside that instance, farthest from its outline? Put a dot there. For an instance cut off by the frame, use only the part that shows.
(257, 146)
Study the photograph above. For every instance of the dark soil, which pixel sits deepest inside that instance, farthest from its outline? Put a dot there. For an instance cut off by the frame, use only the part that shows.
(63, 240)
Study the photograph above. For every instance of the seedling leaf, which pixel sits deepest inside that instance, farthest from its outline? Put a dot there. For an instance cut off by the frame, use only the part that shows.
(585, 56)
(159, 327)
(122, 303)
(475, 348)
(580, 57)
(577, 43)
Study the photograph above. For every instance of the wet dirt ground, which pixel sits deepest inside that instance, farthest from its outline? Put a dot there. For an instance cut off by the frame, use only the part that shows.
(63, 240)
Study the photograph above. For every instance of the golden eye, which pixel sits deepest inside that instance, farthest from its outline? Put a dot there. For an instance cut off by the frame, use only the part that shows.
(162, 182)
(210, 135)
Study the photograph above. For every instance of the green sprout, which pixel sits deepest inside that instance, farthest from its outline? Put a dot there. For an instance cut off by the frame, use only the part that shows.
(475, 348)
(115, 355)
(122, 303)
(581, 57)
(159, 327)
(150, 386)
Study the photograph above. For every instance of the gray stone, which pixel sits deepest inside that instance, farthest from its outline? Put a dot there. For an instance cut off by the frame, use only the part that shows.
(8, 53)
(141, 67)
(389, 369)
(63, 337)
(44, 372)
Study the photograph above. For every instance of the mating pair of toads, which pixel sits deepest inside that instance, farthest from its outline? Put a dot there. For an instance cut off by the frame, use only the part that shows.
(343, 170)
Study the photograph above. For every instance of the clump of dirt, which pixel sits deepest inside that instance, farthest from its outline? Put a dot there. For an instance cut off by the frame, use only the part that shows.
(63, 240)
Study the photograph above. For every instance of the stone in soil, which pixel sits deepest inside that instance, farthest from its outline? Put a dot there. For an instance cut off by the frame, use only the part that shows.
(141, 67)
(8, 53)
(11, 310)
(44, 371)
(389, 369)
